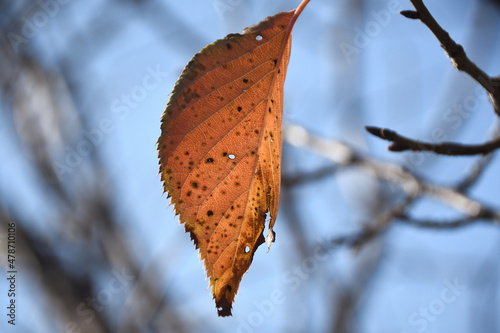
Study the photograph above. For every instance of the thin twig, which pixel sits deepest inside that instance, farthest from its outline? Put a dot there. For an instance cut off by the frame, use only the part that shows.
(401, 143)
(456, 53)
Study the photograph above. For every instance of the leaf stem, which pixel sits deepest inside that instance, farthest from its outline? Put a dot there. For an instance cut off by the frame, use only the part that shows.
(288, 31)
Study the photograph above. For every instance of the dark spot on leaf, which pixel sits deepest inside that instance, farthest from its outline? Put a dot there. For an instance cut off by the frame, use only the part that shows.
(189, 193)
(245, 80)
(224, 154)
(209, 160)
(228, 46)
(239, 108)
(275, 61)
(194, 184)
(210, 213)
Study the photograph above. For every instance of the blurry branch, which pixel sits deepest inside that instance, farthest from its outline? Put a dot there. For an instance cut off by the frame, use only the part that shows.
(67, 293)
(474, 174)
(451, 224)
(401, 143)
(478, 167)
(307, 177)
(456, 52)
(374, 229)
(414, 187)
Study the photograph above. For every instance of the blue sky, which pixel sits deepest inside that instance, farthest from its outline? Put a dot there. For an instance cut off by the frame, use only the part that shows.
(400, 79)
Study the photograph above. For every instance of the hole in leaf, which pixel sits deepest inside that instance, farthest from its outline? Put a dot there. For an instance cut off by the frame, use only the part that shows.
(231, 156)
(258, 37)
(247, 249)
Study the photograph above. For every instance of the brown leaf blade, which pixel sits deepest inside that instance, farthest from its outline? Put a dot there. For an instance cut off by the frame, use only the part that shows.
(220, 148)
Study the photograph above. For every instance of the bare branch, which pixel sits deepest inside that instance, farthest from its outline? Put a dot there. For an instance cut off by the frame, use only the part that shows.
(401, 143)
(457, 53)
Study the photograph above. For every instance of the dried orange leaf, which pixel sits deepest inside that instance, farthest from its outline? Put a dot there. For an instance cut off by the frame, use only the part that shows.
(220, 147)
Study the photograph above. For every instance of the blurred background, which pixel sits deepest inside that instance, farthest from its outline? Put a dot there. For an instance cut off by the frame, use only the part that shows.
(98, 249)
